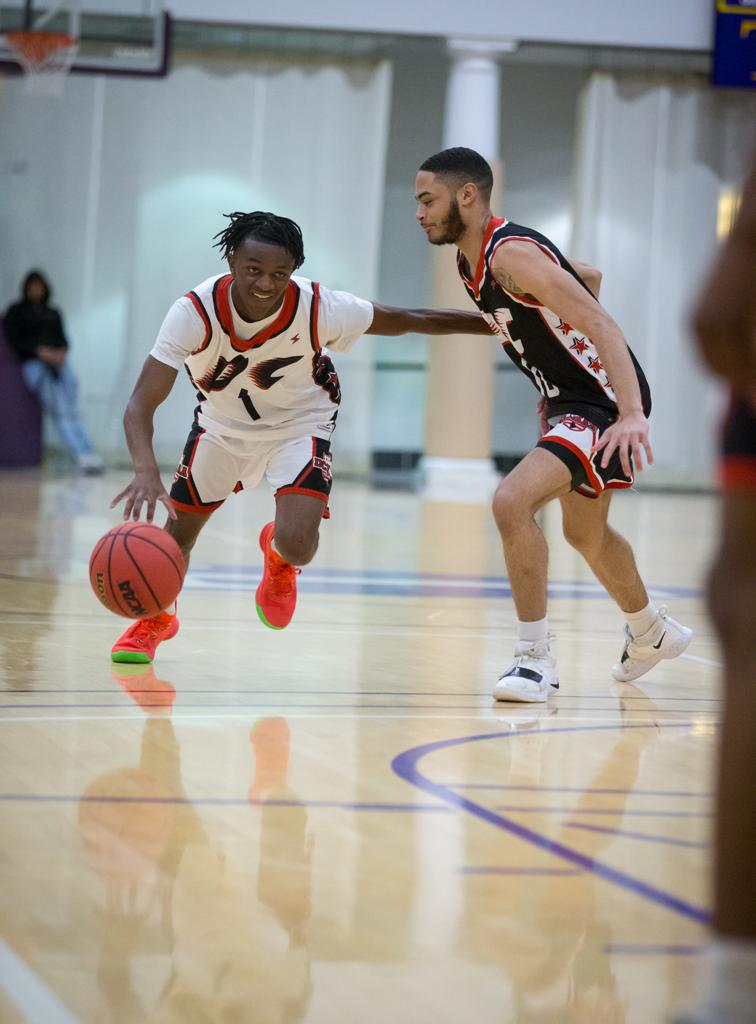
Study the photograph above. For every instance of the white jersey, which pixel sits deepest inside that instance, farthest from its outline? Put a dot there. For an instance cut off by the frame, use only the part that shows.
(273, 377)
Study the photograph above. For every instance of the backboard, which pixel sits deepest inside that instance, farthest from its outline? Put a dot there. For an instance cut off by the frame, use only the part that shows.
(116, 37)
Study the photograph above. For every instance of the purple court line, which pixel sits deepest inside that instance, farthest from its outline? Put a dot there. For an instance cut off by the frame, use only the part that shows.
(663, 840)
(405, 765)
(576, 789)
(629, 949)
(219, 801)
(519, 871)
(514, 809)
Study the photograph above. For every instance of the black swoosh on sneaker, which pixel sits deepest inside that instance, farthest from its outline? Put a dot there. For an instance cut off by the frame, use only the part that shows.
(657, 646)
(524, 673)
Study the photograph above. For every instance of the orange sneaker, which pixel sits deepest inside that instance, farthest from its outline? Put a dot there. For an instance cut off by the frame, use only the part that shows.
(141, 684)
(270, 739)
(139, 643)
(276, 597)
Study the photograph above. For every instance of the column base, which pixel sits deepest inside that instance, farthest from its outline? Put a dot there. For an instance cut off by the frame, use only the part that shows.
(469, 481)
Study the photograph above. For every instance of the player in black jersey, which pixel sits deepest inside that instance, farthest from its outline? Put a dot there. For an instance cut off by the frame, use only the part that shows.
(594, 407)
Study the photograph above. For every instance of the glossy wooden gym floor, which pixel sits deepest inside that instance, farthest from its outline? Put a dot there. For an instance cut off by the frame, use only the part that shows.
(336, 823)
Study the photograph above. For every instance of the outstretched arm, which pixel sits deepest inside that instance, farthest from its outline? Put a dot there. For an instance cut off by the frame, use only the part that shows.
(150, 391)
(523, 268)
(390, 320)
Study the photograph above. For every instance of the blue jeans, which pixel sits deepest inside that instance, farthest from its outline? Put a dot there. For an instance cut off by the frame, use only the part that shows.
(57, 394)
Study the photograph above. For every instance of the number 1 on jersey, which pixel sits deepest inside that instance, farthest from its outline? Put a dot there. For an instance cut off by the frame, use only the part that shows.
(247, 402)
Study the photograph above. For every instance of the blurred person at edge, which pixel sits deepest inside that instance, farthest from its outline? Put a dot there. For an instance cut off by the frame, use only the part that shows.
(34, 330)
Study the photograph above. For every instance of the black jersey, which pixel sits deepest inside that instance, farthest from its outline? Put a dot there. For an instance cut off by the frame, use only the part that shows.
(561, 362)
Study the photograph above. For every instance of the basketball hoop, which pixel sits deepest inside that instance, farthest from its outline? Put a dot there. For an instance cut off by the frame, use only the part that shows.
(46, 58)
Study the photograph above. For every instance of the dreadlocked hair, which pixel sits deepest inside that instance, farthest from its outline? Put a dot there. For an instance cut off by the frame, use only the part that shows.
(265, 227)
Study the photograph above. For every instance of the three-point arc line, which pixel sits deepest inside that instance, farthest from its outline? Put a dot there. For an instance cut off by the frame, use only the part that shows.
(406, 766)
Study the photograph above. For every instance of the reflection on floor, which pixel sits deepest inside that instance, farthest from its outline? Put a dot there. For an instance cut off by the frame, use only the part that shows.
(335, 822)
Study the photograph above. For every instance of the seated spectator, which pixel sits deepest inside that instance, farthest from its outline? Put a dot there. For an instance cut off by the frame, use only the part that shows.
(35, 330)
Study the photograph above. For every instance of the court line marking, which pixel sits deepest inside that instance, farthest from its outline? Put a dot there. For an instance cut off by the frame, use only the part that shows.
(223, 801)
(624, 811)
(630, 949)
(578, 789)
(405, 765)
(353, 693)
(472, 870)
(493, 718)
(300, 707)
(343, 805)
(28, 992)
(645, 836)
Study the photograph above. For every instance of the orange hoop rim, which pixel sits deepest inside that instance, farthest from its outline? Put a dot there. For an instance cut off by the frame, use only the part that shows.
(36, 48)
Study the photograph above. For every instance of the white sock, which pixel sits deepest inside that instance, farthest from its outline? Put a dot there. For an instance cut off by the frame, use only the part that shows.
(533, 632)
(640, 622)
(728, 981)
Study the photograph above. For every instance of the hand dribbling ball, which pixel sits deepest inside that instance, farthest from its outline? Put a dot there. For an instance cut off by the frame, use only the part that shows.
(136, 570)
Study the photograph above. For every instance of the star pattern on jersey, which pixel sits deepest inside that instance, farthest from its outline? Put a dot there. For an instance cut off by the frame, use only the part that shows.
(579, 345)
(565, 328)
(595, 365)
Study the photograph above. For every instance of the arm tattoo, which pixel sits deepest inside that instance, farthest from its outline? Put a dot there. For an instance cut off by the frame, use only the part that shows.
(507, 282)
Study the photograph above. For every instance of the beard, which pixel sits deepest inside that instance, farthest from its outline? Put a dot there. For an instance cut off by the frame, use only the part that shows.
(451, 228)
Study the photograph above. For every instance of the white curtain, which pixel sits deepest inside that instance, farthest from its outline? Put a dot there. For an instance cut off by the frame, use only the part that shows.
(117, 189)
(654, 158)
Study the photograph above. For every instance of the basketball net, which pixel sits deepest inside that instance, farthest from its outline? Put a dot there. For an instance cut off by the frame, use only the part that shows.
(46, 58)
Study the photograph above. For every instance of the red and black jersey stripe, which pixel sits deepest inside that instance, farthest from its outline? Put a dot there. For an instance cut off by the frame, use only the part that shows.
(199, 307)
(314, 312)
(282, 322)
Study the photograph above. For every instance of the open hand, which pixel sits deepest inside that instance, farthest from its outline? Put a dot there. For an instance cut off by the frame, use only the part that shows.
(628, 436)
(145, 487)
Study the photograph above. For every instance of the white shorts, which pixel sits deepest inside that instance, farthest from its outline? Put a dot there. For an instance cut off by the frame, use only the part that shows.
(212, 467)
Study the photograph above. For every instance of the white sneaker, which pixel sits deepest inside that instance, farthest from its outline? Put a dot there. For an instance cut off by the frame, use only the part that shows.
(531, 676)
(666, 639)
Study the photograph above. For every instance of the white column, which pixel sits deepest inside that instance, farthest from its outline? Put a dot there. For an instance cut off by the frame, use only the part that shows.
(458, 464)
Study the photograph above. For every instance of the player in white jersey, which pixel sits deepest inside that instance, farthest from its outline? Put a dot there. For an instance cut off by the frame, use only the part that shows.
(255, 343)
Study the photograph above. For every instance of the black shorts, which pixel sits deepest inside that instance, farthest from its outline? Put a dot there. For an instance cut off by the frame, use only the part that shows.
(571, 438)
(738, 464)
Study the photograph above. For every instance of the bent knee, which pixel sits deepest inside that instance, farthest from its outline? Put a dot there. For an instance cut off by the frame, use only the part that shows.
(586, 541)
(510, 507)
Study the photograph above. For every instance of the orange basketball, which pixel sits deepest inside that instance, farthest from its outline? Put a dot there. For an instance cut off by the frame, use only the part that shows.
(136, 570)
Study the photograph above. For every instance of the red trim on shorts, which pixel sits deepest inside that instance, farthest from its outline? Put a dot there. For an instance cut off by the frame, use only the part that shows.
(619, 485)
(211, 507)
(585, 493)
(738, 473)
(596, 483)
(292, 489)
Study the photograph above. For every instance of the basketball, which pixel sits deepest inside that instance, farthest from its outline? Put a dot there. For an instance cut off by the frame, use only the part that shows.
(136, 570)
